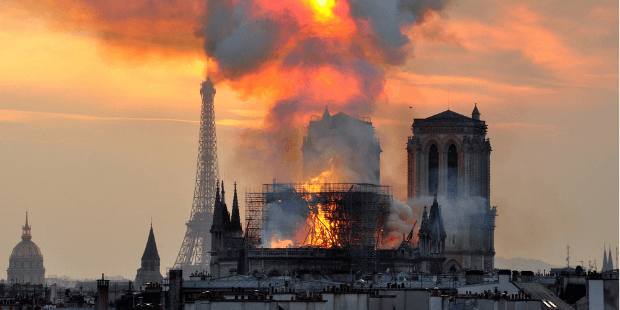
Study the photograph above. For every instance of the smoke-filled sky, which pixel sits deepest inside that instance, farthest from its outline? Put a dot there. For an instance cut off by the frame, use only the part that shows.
(100, 106)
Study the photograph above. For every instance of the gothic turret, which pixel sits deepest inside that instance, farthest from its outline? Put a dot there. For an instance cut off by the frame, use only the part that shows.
(223, 194)
(326, 114)
(226, 237)
(221, 220)
(437, 230)
(149, 271)
(235, 219)
(217, 223)
(218, 199)
(225, 213)
(423, 233)
(475, 114)
(432, 237)
(605, 263)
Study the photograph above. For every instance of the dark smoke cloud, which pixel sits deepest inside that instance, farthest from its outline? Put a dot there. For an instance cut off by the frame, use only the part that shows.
(314, 51)
(244, 38)
(384, 21)
(241, 37)
(414, 10)
(240, 40)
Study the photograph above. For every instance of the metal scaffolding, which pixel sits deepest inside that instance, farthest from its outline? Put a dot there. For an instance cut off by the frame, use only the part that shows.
(352, 216)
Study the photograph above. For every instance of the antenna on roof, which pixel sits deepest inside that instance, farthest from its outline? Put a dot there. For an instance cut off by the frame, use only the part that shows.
(448, 99)
(567, 255)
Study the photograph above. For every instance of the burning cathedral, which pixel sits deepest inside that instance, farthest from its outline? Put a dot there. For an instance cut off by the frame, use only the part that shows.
(337, 231)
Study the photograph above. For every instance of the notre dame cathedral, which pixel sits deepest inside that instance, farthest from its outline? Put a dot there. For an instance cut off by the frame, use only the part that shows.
(451, 151)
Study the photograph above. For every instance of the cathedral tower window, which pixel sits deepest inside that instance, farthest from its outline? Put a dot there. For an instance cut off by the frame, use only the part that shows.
(433, 168)
(453, 172)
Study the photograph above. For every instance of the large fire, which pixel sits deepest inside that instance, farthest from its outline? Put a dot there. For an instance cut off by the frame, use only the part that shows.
(318, 230)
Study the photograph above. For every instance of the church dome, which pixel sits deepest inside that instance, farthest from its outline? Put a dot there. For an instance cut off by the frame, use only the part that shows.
(26, 261)
(26, 249)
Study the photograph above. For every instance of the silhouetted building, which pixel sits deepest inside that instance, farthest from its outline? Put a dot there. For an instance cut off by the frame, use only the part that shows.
(102, 297)
(364, 206)
(432, 240)
(344, 143)
(226, 237)
(149, 271)
(608, 262)
(451, 150)
(26, 261)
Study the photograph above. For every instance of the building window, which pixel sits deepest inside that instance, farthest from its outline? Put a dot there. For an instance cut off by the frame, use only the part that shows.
(453, 172)
(433, 168)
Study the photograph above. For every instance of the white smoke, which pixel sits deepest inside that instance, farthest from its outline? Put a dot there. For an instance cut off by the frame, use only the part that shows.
(401, 218)
(456, 213)
(284, 218)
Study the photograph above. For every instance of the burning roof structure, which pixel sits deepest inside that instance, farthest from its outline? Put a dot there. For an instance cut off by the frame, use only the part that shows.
(323, 215)
(330, 231)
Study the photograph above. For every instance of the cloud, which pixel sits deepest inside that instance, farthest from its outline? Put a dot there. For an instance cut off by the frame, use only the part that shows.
(126, 31)
(13, 116)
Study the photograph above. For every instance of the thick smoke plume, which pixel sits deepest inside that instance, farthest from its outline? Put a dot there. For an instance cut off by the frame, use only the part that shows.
(400, 222)
(344, 146)
(302, 55)
(294, 55)
(247, 36)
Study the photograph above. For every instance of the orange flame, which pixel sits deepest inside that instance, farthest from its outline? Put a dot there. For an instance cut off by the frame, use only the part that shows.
(284, 243)
(321, 230)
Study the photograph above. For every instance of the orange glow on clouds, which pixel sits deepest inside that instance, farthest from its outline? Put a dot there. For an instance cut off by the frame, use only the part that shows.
(126, 32)
(520, 29)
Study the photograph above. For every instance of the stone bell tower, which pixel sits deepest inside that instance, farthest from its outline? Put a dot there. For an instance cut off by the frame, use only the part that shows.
(452, 151)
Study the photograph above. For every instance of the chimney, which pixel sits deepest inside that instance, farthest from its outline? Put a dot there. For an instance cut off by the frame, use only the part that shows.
(504, 276)
(474, 277)
(527, 276)
(101, 300)
(174, 302)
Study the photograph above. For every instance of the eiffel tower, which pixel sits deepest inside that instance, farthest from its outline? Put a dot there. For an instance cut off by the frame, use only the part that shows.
(195, 251)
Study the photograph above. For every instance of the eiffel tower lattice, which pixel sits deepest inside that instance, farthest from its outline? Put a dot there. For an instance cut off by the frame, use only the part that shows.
(195, 250)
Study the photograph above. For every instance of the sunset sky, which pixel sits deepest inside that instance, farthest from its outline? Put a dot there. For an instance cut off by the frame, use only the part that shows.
(100, 108)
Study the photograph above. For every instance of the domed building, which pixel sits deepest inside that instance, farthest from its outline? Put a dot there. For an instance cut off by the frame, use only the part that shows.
(26, 261)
